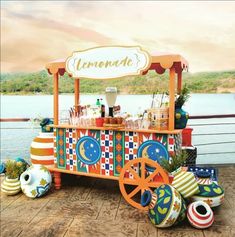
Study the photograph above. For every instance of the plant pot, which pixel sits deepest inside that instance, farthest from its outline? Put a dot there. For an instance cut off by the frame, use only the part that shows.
(42, 149)
(200, 215)
(181, 118)
(165, 205)
(185, 183)
(209, 191)
(10, 186)
(35, 181)
(99, 122)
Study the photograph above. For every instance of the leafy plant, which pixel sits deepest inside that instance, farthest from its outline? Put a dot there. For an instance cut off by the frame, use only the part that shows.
(15, 169)
(175, 162)
(182, 97)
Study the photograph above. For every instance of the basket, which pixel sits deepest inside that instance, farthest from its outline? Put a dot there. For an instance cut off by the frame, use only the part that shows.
(192, 155)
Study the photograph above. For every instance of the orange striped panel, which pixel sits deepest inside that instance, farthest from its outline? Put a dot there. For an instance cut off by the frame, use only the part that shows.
(43, 140)
(42, 162)
(42, 152)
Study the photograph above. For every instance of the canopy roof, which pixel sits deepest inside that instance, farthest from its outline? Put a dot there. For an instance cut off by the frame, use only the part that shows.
(159, 62)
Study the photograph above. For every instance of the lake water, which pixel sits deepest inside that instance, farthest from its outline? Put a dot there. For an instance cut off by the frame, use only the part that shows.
(16, 137)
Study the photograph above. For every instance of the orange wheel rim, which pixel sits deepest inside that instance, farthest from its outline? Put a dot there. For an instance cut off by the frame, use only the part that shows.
(141, 180)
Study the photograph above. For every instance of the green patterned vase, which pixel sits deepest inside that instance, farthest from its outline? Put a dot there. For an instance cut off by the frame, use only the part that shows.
(10, 186)
(165, 205)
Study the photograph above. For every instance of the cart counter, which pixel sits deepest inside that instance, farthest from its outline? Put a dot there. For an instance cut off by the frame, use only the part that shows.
(102, 152)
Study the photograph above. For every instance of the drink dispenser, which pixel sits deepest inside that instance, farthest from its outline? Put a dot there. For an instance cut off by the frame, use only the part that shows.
(111, 96)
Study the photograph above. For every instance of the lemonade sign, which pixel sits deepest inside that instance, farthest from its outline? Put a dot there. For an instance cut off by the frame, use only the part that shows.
(108, 62)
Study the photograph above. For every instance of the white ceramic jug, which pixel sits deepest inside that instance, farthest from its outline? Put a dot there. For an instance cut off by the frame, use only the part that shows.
(35, 181)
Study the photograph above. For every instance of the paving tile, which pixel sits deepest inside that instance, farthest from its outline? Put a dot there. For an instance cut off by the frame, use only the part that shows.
(24, 208)
(5, 200)
(218, 231)
(174, 233)
(68, 208)
(109, 210)
(146, 230)
(88, 228)
(129, 213)
(47, 226)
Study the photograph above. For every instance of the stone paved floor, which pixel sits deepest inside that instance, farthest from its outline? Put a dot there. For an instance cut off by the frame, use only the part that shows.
(94, 207)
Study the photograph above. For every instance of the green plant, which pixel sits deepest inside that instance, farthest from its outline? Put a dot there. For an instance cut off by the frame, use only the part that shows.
(182, 97)
(15, 169)
(175, 162)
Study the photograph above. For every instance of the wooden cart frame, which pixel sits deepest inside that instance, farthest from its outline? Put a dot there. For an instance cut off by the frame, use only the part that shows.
(140, 179)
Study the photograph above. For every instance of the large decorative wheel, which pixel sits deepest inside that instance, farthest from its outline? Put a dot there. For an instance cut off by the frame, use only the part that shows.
(141, 179)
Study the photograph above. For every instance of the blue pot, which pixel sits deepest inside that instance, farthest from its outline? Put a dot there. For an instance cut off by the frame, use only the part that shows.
(181, 118)
(45, 125)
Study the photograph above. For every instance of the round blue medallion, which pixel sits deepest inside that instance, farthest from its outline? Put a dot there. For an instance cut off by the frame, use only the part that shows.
(88, 150)
(153, 150)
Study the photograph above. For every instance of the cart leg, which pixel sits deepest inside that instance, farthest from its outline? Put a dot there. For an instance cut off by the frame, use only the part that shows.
(57, 180)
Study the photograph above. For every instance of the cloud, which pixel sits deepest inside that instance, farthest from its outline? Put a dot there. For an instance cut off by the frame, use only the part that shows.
(34, 33)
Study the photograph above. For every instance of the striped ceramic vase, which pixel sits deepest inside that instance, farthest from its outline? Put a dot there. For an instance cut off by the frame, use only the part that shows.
(10, 186)
(42, 149)
(185, 182)
(200, 215)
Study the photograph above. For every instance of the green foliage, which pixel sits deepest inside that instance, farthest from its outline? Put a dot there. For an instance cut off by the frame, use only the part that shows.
(41, 82)
(15, 169)
(182, 97)
(175, 162)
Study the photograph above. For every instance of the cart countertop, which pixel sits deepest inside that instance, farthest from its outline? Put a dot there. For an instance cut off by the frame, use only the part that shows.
(175, 131)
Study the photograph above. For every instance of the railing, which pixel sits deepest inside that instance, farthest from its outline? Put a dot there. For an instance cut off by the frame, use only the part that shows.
(207, 137)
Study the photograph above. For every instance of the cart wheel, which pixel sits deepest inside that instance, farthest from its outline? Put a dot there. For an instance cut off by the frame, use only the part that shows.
(142, 180)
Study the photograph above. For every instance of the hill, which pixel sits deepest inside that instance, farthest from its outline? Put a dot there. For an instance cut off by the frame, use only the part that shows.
(41, 82)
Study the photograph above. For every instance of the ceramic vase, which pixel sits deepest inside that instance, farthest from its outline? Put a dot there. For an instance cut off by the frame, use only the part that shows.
(182, 214)
(35, 181)
(209, 191)
(42, 149)
(200, 215)
(185, 182)
(181, 118)
(10, 186)
(164, 203)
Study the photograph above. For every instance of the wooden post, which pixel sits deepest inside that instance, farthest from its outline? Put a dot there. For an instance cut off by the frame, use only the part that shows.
(172, 99)
(179, 81)
(76, 93)
(56, 98)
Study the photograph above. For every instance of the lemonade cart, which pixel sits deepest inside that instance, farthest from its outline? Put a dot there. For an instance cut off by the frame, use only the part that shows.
(130, 156)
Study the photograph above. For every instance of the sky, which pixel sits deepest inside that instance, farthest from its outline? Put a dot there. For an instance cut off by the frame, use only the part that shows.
(34, 33)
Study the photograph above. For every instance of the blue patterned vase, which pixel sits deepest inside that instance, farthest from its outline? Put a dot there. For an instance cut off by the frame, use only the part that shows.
(35, 181)
(165, 205)
(209, 191)
(181, 118)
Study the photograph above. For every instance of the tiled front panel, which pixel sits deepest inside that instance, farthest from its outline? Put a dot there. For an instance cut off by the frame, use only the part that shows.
(106, 152)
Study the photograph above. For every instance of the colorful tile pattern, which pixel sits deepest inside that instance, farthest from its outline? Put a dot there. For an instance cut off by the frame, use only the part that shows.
(61, 143)
(106, 143)
(71, 139)
(55, 150)
(131, 148)
(119, 150)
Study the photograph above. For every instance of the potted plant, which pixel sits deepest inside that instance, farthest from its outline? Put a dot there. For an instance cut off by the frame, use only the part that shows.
(181, 117)
(11, 183)
(185, 182)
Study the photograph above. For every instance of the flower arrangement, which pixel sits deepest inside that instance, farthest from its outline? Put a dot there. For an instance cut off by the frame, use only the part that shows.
(15, 168)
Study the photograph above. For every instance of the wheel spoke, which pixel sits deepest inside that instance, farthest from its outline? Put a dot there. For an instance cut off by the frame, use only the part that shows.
(134, 192)
(130, 182)
(136, 176)
(142, 169)
(151, 176)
